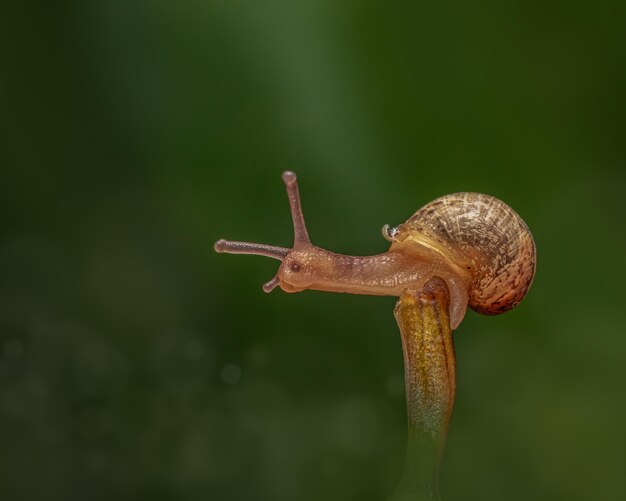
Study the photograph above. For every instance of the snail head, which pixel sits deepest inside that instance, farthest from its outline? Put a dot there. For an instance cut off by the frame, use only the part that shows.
(301, 265)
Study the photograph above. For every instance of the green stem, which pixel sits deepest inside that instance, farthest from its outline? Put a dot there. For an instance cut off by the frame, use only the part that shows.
(430, 379)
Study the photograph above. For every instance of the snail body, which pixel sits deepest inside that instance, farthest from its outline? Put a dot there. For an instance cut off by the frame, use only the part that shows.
(476, 243)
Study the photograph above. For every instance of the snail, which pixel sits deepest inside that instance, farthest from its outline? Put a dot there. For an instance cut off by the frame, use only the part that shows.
(475, 243)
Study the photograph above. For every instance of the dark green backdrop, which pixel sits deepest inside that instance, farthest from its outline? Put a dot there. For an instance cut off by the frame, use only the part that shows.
(135, 363)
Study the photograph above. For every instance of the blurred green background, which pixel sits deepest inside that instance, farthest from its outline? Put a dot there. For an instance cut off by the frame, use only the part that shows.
(135, 363)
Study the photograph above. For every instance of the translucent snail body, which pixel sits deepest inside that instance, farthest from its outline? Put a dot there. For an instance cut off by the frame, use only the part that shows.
(475, 243)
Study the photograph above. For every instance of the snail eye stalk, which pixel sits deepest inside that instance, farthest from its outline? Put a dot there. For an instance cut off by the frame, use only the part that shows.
(233, 247)
(300, 234)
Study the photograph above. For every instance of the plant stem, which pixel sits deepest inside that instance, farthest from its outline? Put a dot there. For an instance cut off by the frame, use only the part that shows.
(430, 380)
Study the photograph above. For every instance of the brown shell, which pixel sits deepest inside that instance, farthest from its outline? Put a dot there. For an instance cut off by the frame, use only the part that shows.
(490, 239)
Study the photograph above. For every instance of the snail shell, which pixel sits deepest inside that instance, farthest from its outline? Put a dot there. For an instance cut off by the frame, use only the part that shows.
(483, 236)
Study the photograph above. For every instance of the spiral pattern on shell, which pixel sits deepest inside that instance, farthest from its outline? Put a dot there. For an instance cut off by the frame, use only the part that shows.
(489, 239)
